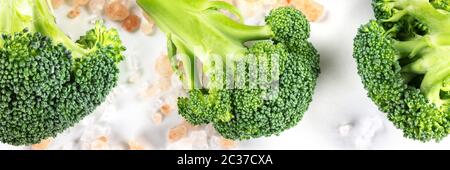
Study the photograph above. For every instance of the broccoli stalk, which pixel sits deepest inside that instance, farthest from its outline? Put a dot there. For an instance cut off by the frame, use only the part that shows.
(404, 60)
(240, 63)
(428, 54)
(49, 82)
(186, 24)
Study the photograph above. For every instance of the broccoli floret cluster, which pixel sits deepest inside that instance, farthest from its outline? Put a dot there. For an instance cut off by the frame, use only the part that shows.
(48, 83)
(259, 79)
(403, 58)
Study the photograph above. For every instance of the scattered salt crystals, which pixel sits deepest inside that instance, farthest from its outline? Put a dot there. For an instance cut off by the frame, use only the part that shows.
(210, 130)
(101, 143)
(183, 136)
(163, 66)
(81, 2)
(368, 129)
(116, 11)
(43, 145)
(344, 130)
(74, 12)
(157, 118)
(227, 143)
(214, 142)
(199, 139)
(57, 3)
(131, 23)
(166, 109)
(133, 145)
(148, 26)
(361, 133)
(147, 17)
(196, 140)
(253, 8)
(272, 4)
(177, 133)
(133, 69)
(171, 99)
(96, 6)
(312, 10)
(92, 134)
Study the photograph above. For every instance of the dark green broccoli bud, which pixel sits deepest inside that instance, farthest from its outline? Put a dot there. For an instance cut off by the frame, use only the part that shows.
(255, 117)
(289, 25)
(204, 107)
(248, 81)
(48, 82)
(406, 72)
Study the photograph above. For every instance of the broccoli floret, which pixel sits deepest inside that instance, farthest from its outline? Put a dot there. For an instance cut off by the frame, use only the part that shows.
(403, 58)
(48, 83)
(248, 81)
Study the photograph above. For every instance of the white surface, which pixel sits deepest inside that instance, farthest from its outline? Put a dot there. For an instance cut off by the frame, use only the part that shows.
(340, 116)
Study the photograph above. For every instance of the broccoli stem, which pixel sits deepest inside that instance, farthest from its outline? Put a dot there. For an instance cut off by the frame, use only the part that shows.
(424, 11)
(433, 62)
(433, 82)
(216, 34)
(191, 78)
(36, 16)
(429, 54)
(412, 47)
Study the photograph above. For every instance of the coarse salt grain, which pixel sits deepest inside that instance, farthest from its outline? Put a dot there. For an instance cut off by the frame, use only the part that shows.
(131, 23)
(157, 118)
(177, 133)
(312, 10)
(116, 11)
(133, 145)
(74, 12)
(43, 145)
(96, 6)
(147, 27)
(163, 66)
(227, 143)
(166, 109)
(81, 2)
(100, 144)
(57, 3)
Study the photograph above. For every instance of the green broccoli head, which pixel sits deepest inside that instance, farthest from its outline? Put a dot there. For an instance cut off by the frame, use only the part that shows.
(289, 25)
(48, 82)
(406, 71)
(248, 81)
